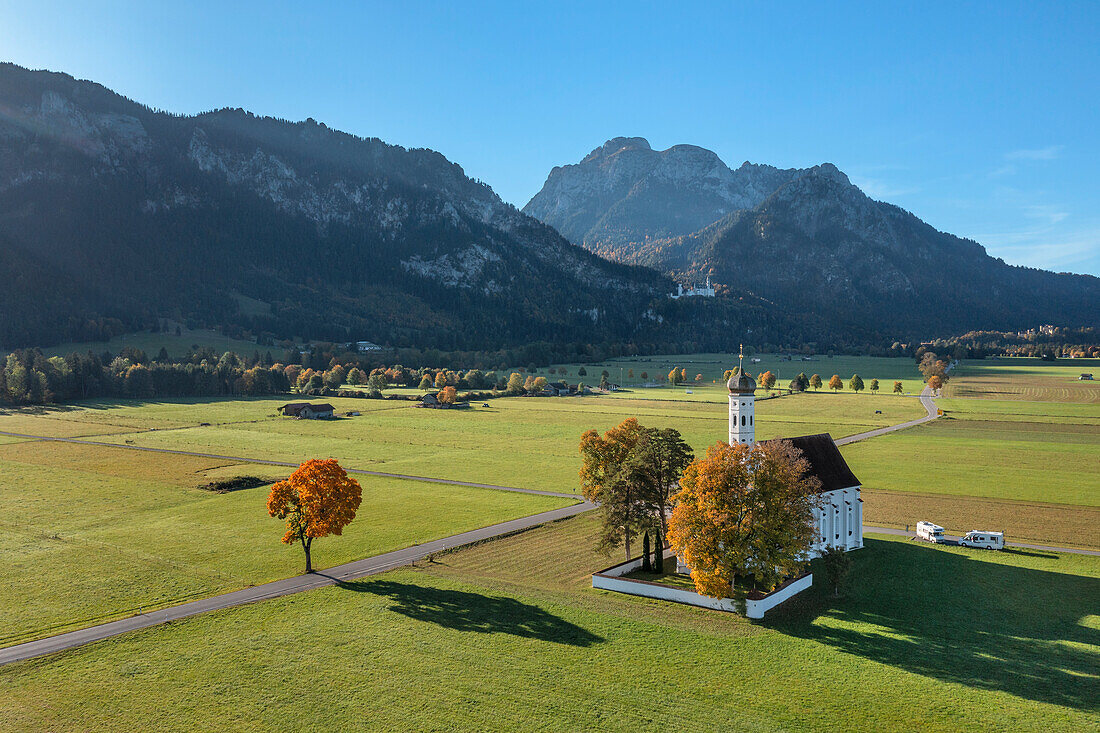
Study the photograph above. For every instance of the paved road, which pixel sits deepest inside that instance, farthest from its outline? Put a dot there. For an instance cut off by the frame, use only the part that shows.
(929, 406)
(260, 461)
(287, 586)
(952, 540)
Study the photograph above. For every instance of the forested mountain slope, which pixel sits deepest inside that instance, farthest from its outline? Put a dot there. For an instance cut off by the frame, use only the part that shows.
(807, 240)
(113, 215)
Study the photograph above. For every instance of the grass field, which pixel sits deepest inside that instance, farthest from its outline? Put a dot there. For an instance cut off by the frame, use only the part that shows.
(509, 635)
(94, 533)
(525, 442)
(1026, 379)
(712, 367)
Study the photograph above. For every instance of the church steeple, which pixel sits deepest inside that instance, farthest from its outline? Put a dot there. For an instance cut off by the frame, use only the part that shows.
(742, 397)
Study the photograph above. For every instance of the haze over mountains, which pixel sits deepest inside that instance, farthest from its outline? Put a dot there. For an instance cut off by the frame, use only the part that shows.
(805, 239)
(110, 210)
(114, 216)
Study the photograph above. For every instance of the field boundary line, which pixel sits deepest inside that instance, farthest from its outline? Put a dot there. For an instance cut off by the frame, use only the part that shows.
(289, 464)
(279, 588)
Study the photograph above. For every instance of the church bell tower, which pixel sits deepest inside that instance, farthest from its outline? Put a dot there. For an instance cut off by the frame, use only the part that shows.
(742, 390)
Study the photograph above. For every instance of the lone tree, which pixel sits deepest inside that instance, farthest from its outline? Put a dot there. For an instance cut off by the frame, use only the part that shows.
(874, 385)
(855, 383)
(744, 511)
(935, 383)
(897, 388)
(837, 565)
(815, 382)
(836, 383)
(317, 500)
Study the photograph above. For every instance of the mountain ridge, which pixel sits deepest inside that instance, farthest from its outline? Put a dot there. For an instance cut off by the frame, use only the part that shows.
(807, 239)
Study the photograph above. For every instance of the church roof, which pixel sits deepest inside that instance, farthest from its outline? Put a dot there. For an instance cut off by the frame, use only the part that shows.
(826, 461)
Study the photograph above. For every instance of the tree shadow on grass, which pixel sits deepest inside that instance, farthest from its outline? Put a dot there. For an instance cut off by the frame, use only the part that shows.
(957, 617)
(464, 611)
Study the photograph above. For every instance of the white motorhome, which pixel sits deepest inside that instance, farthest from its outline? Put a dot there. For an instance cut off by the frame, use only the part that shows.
(930, 532)
(988, 540)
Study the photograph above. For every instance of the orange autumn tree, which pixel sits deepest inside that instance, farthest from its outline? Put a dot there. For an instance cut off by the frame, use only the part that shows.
(447, 395)
(744, 511)
(317, 500)
(606, 482)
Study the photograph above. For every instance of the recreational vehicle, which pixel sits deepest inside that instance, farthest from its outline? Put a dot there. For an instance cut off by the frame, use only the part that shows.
(930, 532)
(988, 540)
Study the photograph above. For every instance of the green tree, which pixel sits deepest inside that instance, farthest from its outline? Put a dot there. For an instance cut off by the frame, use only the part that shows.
(837, 564)
(623, 512)
(425, 382)
(855, 383)
(582, 372)
(815, 382)
(874, 385)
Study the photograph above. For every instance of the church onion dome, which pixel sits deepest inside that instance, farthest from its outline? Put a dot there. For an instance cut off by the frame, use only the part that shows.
(741, 384)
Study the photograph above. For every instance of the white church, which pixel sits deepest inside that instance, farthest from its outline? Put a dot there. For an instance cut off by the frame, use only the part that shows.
(839, 514)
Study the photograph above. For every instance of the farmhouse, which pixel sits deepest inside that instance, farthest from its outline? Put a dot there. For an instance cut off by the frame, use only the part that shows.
(839, 515)
(307, 411)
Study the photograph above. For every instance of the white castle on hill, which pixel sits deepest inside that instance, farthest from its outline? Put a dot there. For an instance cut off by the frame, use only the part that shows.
(706, 291)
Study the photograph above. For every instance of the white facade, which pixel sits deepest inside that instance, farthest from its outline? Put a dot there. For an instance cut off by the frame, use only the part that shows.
(742, 419)
(704, 291)
(839, 521)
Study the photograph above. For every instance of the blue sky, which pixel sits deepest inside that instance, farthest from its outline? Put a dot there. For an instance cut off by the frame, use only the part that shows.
(981, 118)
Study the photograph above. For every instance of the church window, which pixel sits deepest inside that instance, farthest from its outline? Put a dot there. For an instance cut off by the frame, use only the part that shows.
(750, 419)
(742, 420)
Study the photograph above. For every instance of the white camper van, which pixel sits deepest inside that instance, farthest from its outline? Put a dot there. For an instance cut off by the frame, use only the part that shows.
(988, 540)
(930, 532)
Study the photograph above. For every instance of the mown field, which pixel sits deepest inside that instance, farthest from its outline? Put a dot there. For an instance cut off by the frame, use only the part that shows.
(509, 635)
(94, 533)
(1019, 378)
(996, 460)
(525, 442)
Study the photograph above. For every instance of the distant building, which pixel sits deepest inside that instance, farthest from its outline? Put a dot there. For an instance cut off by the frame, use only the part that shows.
(706, 291)
(364, 346)
(308, 411)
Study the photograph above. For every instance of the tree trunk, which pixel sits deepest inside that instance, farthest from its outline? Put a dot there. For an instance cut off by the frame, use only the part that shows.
(306, 542)
(626, 536)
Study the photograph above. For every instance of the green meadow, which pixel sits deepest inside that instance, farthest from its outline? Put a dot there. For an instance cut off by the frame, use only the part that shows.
(94, 533)
(509, 635)
(713, 366)
(526, 442)
(176, 346)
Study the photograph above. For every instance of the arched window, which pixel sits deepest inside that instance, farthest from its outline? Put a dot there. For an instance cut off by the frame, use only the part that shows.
(750, 419)
(742, 420)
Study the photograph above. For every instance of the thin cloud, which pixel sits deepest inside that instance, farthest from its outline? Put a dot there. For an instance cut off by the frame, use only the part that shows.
(1048, 153)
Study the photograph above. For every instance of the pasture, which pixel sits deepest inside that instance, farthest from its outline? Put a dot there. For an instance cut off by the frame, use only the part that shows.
(525, 442)
(94, 533)
(713, 366)
(1021, 378)
(926, 639)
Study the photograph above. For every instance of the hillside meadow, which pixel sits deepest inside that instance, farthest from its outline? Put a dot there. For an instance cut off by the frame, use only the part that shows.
(925, 638)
